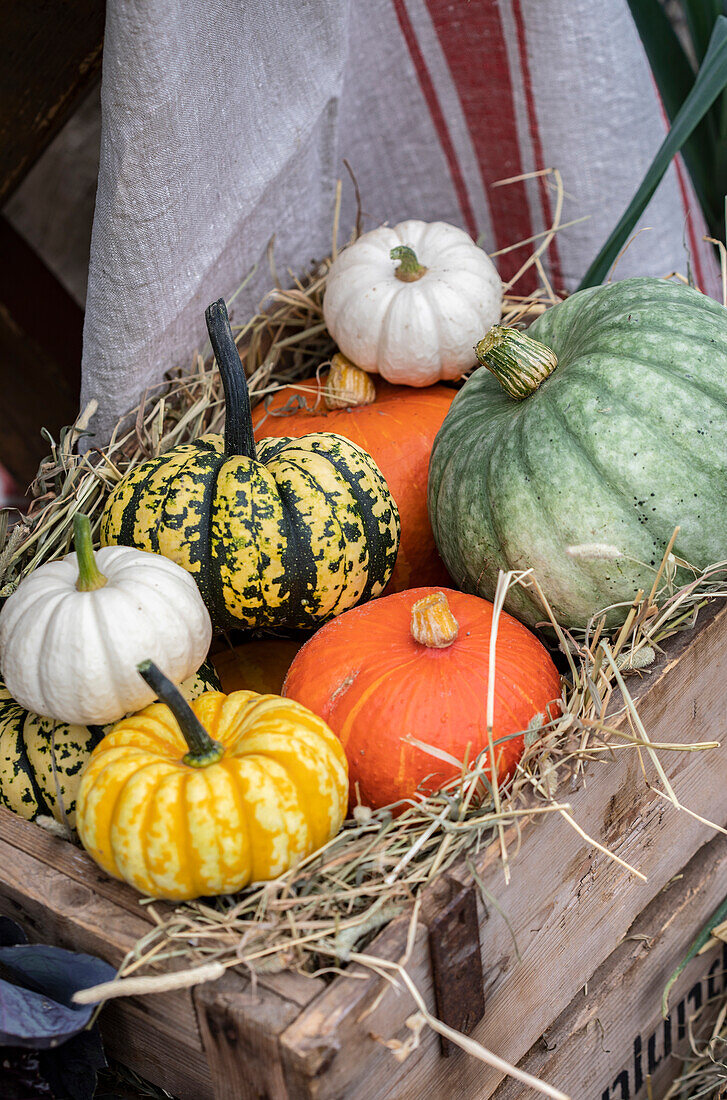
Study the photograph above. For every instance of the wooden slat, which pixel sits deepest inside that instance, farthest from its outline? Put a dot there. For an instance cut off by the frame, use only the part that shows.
(568, 906)
(50, 55)
(240, 1033)
(612, 1035)
(41, 329)
(213, 1041)
(55, 908)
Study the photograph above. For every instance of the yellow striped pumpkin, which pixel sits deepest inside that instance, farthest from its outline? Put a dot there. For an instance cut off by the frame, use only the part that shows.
(187, 801)
(289, 533)
(41, 760)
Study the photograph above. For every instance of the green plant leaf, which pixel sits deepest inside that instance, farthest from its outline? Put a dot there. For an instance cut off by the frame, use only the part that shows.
(701, 15)
(717, 917)
(675, 77)
(710, 81)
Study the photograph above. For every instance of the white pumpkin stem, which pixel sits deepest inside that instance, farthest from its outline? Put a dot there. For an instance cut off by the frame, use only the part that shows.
(432, 622)
(90, 576)
(203, 750)
(518, 362)
(409, 270)
(347, 386)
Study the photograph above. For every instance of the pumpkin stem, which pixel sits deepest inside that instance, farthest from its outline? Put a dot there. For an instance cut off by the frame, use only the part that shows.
(239, 432)
(90, 576)
(432, 622)
(203, 751)
(409, 270)
(518, 362)
(347, 385)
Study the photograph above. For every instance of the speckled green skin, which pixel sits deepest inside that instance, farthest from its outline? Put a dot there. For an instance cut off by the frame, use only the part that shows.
(626, 440)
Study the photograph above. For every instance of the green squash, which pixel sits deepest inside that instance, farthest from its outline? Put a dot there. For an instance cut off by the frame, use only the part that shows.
(585, 479)
(41, 760)
(288, 532)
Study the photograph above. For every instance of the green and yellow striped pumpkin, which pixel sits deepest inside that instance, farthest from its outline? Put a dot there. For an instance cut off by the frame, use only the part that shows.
(290, 533)
(41, 760)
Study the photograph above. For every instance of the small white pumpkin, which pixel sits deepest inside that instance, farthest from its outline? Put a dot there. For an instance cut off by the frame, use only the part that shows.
(411, 302)
(73, 632)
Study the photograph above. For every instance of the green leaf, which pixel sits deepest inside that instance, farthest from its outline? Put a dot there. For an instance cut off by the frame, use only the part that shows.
(701, 15)
(717, 918)
(710, 81)
(674, 75)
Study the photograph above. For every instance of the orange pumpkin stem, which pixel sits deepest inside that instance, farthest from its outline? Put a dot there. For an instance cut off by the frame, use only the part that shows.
(347, 385)
(432, 622)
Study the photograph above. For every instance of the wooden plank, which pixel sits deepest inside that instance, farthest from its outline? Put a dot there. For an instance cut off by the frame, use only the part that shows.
(240, 1033)
(335, 1048)
(612, 1038)
(566, 916)
(41, 330)
(50, 55)
(55, 908)
(215, 1041)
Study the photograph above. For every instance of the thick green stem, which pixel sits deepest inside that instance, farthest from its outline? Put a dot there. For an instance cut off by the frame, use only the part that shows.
(90, 576)
(203, 751)
(518, 362)
(239, 433)
(409, 270)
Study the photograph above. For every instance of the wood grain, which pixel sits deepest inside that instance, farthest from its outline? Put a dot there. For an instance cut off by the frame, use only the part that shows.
(214, 1041)
(41, 330)
(50, 55)
(612, 1036)
(568, 906)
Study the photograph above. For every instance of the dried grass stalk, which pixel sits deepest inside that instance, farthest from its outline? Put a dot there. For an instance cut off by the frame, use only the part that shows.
(325, 911)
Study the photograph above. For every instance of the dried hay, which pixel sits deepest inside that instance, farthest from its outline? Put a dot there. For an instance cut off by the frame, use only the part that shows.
(322, 914)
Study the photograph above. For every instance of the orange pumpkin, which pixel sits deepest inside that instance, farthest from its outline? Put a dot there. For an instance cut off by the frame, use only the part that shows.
(415, 665)
(397, 428)
(255, 666)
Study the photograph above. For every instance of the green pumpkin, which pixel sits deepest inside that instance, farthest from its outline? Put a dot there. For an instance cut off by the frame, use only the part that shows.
(288, 532)
(41, 760)
(586, 477)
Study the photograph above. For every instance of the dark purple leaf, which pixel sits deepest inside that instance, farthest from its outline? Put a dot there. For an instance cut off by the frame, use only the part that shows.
(37, 1010)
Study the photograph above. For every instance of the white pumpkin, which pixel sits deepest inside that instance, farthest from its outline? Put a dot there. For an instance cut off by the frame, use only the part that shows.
(73, 632)
(414, 321)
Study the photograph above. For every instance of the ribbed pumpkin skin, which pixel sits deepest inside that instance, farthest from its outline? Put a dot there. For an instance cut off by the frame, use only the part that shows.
(374, 685)
(175, 831)
(398, 431)
(29, 745)
(624, 441)
(298, 536)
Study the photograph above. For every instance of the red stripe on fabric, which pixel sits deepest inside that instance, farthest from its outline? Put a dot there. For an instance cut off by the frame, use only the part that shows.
(435, 110)
(556, 271)
(694, 242)
(473, 43)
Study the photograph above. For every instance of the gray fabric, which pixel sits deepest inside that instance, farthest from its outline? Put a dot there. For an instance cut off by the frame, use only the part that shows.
(227, 122)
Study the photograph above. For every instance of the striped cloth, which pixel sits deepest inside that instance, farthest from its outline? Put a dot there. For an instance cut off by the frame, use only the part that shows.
(225, 123)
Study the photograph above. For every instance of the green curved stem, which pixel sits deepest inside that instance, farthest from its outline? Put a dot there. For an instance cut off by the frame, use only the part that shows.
(90, 576)
(409, 270)
(518, 362)
(239, 433)
(203, 751)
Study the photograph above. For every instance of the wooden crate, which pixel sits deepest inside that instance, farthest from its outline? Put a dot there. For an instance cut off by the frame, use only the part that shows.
(612, 1042)
(568, 907)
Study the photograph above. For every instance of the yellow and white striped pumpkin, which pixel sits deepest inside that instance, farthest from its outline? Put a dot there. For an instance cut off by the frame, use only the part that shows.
(291, 533)
(183, 802)
(41, 760)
